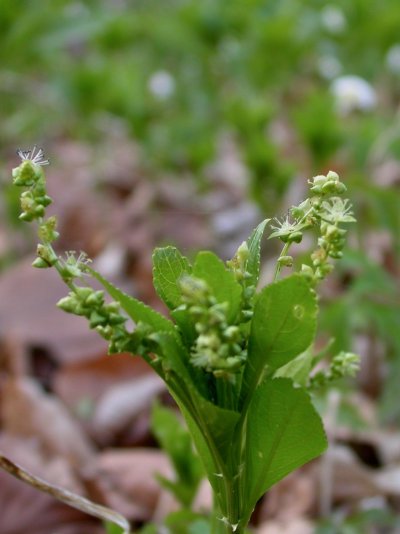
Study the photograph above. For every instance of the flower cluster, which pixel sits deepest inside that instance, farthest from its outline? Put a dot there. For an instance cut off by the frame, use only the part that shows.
(30, 175)
(104, 318)
(324, 210)
(238, 266)
(84, 301)
(342, 365)
(217, 347)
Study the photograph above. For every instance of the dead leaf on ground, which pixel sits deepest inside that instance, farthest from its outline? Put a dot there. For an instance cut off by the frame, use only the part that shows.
(25, 510)
(293, 497)
(27, 411)
(297, 525)
(118, 408)
(126, 480)
(350, 481)
(88, 381)
(29, 314)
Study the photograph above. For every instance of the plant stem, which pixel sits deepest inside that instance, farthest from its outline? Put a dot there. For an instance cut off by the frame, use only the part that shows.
(278, 265)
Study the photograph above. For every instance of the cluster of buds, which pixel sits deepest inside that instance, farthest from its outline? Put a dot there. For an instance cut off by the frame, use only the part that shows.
(104, 318)
(217, 348)
(326, 210)
(344, 364)
(330, 211)
(238, 266)
(84, 301)
(328, 185)
(30, 175)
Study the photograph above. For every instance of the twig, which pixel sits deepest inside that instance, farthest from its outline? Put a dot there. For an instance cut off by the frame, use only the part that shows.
(67, 497)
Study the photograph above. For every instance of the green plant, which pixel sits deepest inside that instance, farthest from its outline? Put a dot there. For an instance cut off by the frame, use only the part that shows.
(238, 362)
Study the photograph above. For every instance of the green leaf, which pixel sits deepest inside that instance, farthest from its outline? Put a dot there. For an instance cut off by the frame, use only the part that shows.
(176, 442)
(254, 245)
(283, 433)
(137, 310)
(168, 267)
(112, 528)
(187, 522)
(222, 282)
(212, 428)
(298, 369)
(186, 327)
(283, 326)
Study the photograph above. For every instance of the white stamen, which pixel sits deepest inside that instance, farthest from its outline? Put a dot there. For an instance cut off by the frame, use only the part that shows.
(36, 156)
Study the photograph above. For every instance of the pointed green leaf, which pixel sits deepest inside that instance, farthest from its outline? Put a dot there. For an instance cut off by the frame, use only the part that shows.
(283, 326)
(137, 310)
(168, 267)
(254, 245)
(222, 282)
(283, 433)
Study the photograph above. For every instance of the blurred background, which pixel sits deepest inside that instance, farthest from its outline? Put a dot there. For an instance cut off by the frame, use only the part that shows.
(187, 122)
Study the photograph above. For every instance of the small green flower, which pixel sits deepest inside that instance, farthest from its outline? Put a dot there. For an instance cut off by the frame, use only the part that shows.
(336, 210)
(288, 231)
(74, 267)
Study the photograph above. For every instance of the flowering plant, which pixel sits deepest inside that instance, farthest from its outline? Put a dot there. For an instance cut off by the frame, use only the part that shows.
(237, 361)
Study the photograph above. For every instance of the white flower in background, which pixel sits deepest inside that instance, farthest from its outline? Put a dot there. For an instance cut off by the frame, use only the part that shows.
(161, 85)
(392, 59)
(333, 19)
(329, 67)
(353, 93)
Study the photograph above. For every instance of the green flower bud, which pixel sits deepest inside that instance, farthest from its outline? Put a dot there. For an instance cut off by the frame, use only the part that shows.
(40, 264)
(84, 293)
(47, 230)
(340, 188)
(336, 254)
(46, 254)
(232, 333)
(316, 189)
(116, 319)
(68, 304)
(243, 253)
(319, 180)
(96, 298)
(286, 261)
(294, 237)
(307, 271)
(249, 292)
(332, 175)
(112, 307)
(247, 314)
(96, 319)
(27, 174)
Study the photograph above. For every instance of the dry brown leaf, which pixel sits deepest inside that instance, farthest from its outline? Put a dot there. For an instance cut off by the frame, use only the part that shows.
(29, 412)
(121, 404)
(293, 497)
(25, 510)
(88, 381)
(350, 481)
(126, 480)
(388, 481)
(297, 525)
(29, 314)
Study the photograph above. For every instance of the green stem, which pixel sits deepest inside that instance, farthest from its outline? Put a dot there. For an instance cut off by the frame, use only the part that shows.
(278, 265)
